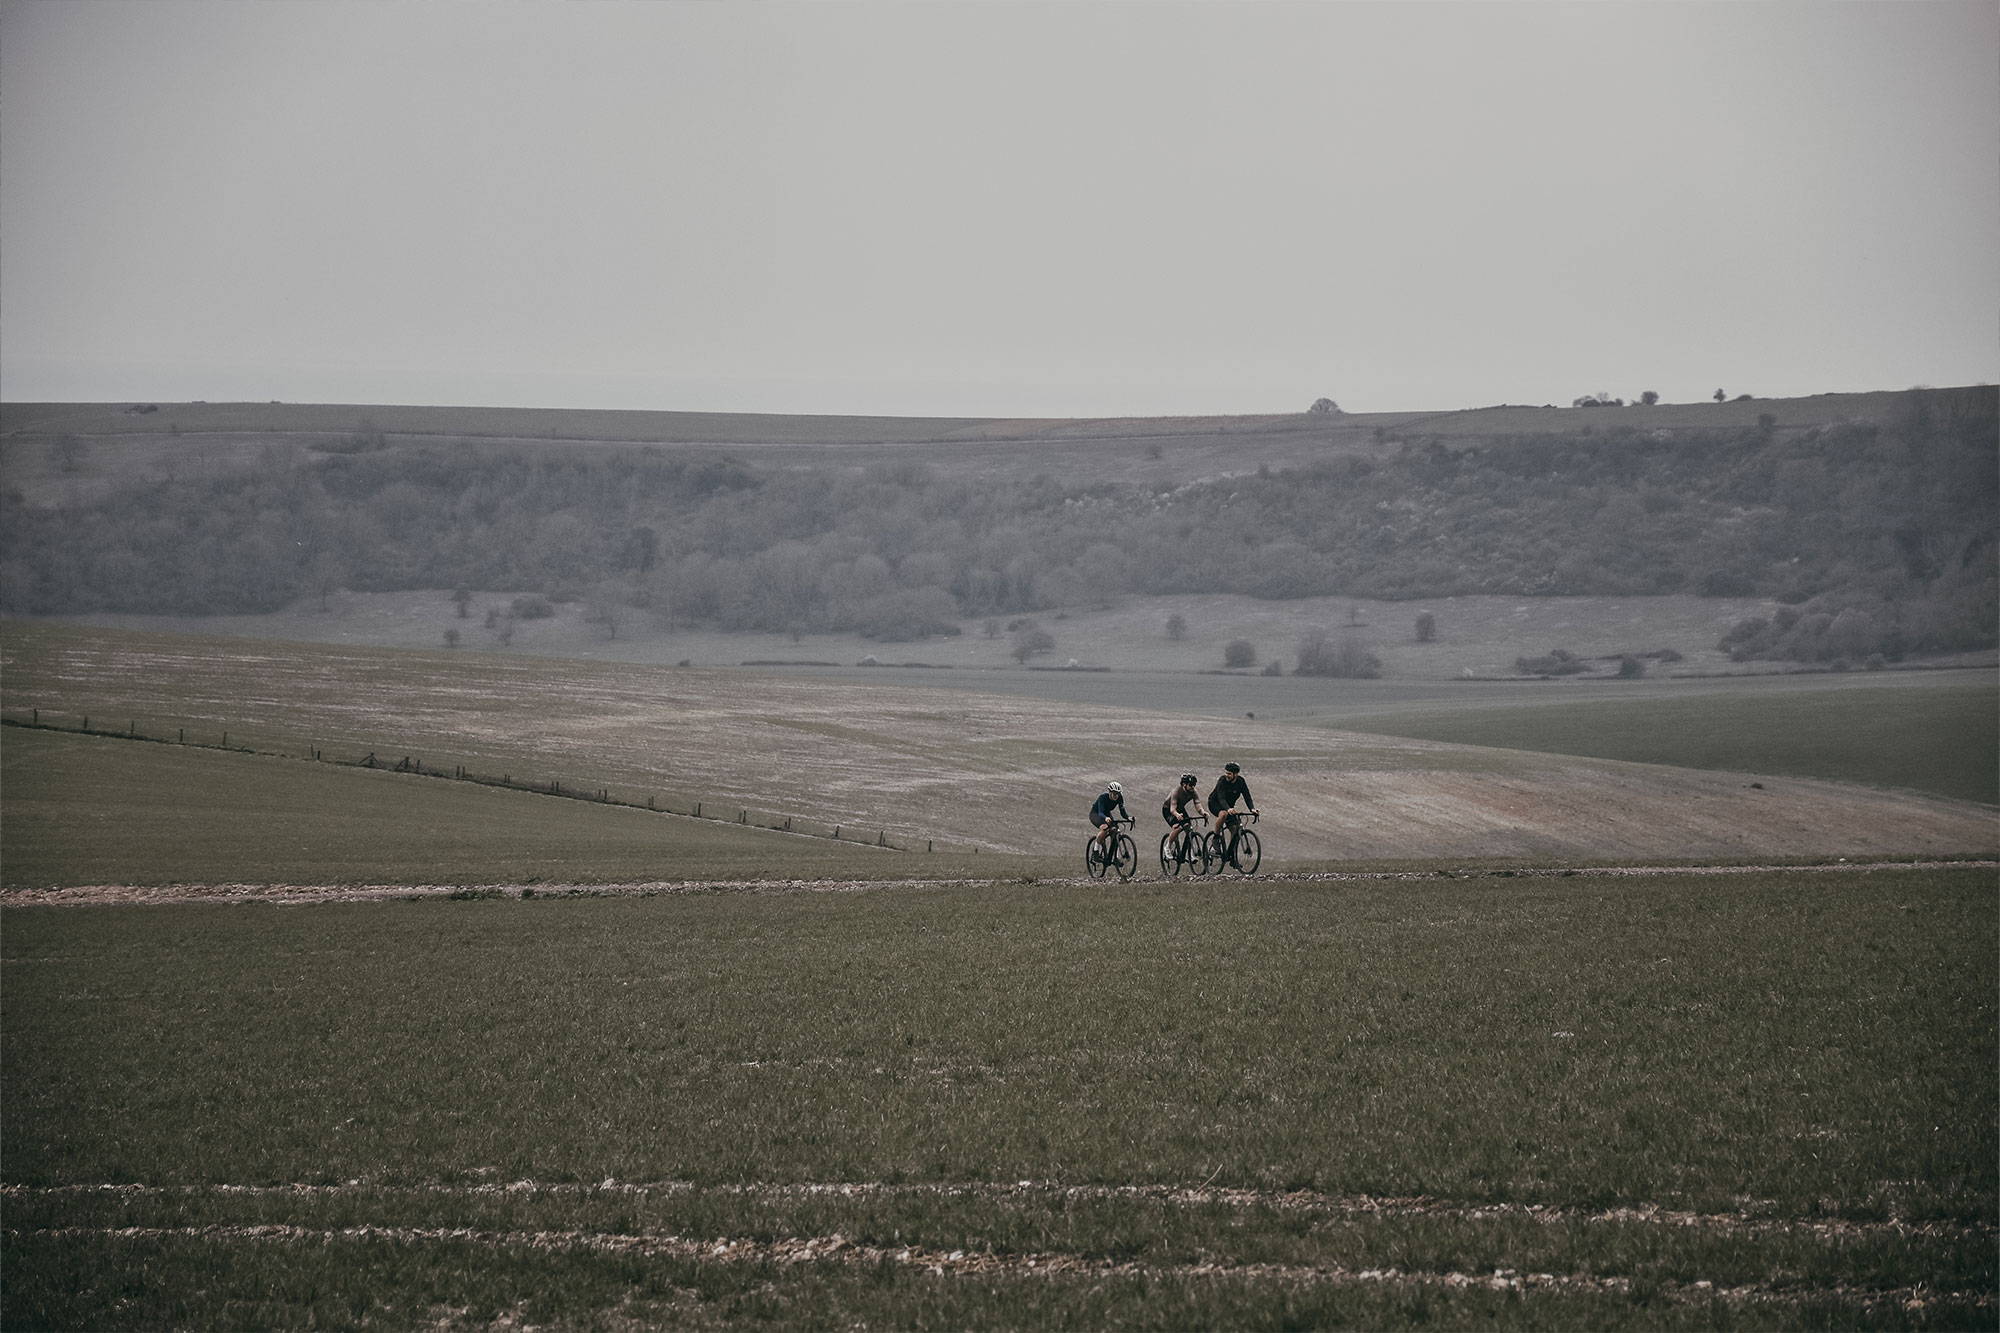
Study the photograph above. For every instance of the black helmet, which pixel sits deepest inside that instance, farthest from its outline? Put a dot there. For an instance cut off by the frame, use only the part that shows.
(1188, 779)
(1231, 768)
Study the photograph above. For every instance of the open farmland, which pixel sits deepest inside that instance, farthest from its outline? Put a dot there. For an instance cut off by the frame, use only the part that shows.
(1756, 1102)
(1005, 774)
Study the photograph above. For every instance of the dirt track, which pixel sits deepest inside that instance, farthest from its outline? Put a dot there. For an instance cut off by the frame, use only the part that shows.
(98, 895)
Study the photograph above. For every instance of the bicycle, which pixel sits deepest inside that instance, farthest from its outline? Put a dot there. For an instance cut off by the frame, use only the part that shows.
(1249, 853)
(1124, 853)
(1182, 846)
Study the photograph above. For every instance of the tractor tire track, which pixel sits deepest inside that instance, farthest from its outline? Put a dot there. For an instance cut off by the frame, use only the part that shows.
(1755, 1218)
(839, 1249)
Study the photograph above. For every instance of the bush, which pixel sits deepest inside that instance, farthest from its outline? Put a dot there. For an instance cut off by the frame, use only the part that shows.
(1347, 659)
(1239, 653)
(1427, 627)
(532, 606)
(1028, 642)
(1176, 627)
(1559, 662)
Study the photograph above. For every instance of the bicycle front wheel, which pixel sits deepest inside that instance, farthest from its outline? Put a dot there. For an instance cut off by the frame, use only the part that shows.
(1127, 852)
(1249, 852)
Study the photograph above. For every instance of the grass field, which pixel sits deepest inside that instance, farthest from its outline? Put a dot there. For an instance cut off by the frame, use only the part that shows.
(1758, 1101)
(89, 810)
(1945, 744)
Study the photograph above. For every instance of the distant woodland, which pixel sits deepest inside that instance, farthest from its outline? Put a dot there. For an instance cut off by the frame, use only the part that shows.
(1875, 538)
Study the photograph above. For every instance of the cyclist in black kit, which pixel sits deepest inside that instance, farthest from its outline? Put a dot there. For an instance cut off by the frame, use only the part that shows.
(1223, 797)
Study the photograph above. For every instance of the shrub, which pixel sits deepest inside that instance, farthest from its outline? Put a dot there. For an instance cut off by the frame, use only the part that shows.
(1030, 641)
(1559, 662)
(1347, 659)
(532, 606)
(1176, 627)
(1239, 653)
(1427, 627)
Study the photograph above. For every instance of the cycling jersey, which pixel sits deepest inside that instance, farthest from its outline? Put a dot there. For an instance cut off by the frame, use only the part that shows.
(1174, 808)
(1104, 805)
(1230, 790)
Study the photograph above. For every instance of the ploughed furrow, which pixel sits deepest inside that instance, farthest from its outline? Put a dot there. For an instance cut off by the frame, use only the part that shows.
(838, 1249)
(1752, 1219)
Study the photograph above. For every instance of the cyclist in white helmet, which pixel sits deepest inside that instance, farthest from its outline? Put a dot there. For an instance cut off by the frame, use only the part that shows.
(1109, 805)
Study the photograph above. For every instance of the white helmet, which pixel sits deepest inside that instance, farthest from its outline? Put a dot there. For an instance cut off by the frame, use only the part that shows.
(1114, 788)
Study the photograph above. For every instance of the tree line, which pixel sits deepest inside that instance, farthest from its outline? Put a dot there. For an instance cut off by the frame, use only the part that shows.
(1890, 524)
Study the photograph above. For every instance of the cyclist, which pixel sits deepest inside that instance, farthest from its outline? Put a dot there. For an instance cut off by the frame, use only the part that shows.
(1229, 789)
(1175, 808)
(1109, 805)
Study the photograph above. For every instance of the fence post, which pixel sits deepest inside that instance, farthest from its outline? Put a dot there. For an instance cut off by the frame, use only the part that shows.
(836, 833)
(697, 809)
(743, 816)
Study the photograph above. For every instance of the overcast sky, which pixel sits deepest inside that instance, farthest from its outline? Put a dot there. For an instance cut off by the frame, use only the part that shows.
(1013, 209)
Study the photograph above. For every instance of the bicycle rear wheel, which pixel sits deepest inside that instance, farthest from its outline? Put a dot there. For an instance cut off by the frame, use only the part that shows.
(1093, 860)
(1170, 860)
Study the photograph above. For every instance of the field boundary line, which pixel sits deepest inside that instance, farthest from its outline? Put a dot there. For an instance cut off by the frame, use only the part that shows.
(839, 1249)
(1752, 1220)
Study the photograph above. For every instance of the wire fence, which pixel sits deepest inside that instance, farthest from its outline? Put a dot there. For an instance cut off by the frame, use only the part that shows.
(394, 759)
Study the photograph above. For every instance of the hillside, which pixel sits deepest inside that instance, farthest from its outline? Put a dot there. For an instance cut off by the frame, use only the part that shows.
(25, 421)
(1870, 518)
(1007, 774)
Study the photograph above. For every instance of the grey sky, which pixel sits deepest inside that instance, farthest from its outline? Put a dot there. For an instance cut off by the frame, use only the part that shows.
(995, 209)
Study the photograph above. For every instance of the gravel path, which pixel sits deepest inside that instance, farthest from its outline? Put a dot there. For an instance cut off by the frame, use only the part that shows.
(305, 894)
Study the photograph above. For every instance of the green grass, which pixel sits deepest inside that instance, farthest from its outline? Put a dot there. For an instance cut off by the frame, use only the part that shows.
(1939, 740)
(98, 810)
(1802, 1061)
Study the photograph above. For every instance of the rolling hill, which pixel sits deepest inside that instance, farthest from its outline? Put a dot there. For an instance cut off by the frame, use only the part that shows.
(1006, 774)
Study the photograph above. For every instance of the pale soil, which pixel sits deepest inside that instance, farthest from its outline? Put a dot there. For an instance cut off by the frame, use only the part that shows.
(1011, 774)
(1749, 1215)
